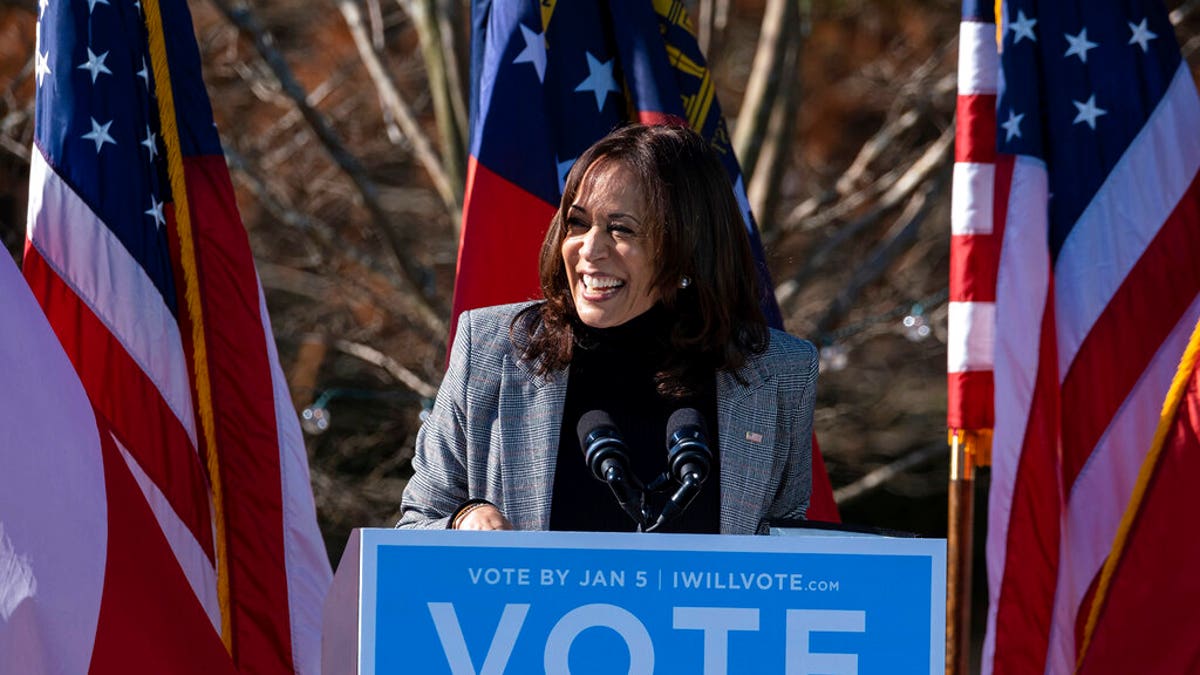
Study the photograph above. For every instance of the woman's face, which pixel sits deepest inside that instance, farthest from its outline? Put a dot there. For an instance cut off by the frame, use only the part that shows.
(607, 247)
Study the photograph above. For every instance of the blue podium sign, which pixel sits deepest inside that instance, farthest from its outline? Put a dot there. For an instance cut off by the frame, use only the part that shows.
(532, 602)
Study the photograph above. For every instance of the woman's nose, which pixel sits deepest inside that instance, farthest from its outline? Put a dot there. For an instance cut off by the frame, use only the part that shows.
(594, 244)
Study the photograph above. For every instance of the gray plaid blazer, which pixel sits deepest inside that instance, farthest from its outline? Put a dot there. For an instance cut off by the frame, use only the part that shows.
(494, 430)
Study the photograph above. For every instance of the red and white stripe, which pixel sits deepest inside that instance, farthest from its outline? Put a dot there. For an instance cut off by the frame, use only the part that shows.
(976, 228)
(278, 572)
(1148, 620)
(87, 583)
(1017, 560)
(1132, 326)
(1084, 356)
(92, 287)
(134, 361)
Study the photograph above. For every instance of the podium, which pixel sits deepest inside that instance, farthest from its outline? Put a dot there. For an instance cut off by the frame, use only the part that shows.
(569, 602)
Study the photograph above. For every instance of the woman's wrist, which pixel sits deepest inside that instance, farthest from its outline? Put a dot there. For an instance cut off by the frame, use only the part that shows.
(463, 510)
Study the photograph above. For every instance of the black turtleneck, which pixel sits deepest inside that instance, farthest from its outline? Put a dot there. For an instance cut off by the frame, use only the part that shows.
(612, 369)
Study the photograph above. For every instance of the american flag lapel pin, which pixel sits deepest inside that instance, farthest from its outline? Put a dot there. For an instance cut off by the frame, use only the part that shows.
(754, 437)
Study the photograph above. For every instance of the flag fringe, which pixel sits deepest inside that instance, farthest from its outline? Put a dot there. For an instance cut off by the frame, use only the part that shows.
(1149, 464)
(999, 19)
(187, 248)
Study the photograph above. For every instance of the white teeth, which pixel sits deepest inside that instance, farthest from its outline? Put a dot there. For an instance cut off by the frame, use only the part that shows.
(601, 282)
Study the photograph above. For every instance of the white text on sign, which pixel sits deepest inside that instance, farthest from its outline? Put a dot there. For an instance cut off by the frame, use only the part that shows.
(715, 622)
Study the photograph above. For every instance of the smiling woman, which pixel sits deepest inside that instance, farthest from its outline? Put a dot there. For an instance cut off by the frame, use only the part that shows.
(605, 251)
(650, 329)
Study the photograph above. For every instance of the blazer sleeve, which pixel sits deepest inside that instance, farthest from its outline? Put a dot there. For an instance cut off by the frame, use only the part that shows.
(439, 483)
(798, 396)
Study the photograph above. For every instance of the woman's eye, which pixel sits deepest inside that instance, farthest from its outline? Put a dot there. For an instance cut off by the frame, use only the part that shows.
(576, 225)
(621, 230)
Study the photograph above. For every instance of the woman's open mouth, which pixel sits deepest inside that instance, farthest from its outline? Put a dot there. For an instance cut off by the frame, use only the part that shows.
(597, 288)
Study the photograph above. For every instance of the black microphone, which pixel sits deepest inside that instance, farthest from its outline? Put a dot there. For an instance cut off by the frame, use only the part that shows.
(688, 461)
(607, 457)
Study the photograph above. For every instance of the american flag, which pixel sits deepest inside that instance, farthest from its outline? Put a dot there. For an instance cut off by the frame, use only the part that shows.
(548, 80)
(1076, 227)
(140, 261)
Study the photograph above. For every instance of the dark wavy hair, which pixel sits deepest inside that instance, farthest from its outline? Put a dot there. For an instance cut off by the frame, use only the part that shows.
(695, 229)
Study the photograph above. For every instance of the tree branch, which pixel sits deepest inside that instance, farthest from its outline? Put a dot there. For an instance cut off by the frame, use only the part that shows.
(889, 189)
(902, 235)
(390, 97)
(377, 358)
(704, 24)
(910, 107)
(883, 139)
(454, 42)
(442, 74)
(763, 188)
(411, 273)
(1183, 11)
(881, 476)
(888, 192)
(14, 148)
(780, 16)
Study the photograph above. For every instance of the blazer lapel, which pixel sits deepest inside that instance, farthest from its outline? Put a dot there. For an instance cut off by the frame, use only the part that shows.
(530, 419)
(746, 426)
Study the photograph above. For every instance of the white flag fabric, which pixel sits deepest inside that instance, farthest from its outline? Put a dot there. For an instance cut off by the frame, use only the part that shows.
(53, 512)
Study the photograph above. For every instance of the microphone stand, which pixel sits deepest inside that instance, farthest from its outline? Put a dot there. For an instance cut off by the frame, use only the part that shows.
(678, 502)
(629, 493)
(688, 459)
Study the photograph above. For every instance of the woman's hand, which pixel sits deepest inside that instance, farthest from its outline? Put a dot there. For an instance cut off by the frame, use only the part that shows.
(483, 517)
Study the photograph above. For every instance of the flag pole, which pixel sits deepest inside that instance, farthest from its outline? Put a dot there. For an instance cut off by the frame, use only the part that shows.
(965, 453)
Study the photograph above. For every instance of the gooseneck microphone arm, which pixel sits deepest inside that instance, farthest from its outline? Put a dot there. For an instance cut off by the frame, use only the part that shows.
(689, 460)
(607, 457)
